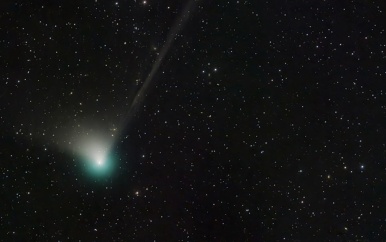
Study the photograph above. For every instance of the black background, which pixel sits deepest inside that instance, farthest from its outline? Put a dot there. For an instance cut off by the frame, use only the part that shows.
(266, 120)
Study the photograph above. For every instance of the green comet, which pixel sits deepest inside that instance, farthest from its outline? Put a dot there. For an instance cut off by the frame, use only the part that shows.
(100, 166)
(96, 155)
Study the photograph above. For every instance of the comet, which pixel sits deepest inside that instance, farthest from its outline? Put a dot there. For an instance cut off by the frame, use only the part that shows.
(93, 146)
(95, 153)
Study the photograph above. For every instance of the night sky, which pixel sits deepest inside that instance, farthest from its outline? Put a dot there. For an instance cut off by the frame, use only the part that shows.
(192, 120)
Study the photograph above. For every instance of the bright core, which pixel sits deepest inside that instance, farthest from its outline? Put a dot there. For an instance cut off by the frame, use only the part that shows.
(100, 162)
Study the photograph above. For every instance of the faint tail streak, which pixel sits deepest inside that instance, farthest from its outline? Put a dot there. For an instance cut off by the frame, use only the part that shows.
(174, 31)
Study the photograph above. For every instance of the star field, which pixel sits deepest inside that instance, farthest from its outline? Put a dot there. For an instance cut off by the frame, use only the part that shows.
(192, 120)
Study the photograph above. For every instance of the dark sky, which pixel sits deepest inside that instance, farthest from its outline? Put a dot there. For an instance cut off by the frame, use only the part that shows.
(265, 120)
